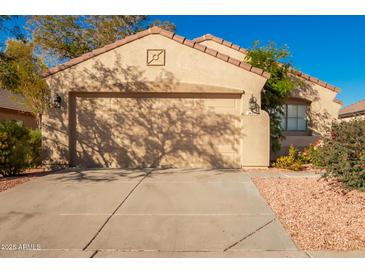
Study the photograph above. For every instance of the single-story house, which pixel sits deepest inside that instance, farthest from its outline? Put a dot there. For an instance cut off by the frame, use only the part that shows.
(14, 107)
(356, 110)
(158, 99)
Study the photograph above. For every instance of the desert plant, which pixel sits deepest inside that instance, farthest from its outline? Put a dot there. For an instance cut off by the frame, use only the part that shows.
(35, 143)
(343, 153)
(19, 148)
(291, 161)
(13, 153)
(312, 155)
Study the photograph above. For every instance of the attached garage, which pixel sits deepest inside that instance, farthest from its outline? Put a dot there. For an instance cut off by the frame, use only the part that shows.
(121, 106)
(148, 130)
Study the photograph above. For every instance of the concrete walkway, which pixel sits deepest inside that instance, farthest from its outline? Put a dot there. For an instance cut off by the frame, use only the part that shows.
(141, 213)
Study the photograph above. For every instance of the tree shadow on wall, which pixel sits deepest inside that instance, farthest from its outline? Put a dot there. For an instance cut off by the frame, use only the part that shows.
(117, 77)
(319, 119)
(135, 126)
(151, 132)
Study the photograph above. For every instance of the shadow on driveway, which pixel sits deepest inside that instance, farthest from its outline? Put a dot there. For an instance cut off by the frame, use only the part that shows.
(161, 210)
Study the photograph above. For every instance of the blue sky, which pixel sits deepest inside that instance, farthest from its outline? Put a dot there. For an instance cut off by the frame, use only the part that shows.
(331, 48)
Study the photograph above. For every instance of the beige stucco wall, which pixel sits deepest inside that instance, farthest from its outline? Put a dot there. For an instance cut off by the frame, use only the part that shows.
(256, 139)
(124, 69)
(27, 119)
(127, 64)
(321, 112)
(322, 108)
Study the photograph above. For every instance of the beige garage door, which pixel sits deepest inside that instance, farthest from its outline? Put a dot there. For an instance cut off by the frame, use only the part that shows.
(154, 130)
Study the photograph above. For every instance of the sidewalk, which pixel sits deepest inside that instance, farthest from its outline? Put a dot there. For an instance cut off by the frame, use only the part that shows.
(157, 254)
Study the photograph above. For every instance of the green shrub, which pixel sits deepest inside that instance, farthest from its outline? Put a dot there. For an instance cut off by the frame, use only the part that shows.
(312, 155)
(292, 161)
(35, 142)
(343, 153)
(19, 148)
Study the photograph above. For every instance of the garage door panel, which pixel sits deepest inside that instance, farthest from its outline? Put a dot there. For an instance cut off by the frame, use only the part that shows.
(94, 143)
(216, 134)
(157, 131)
(141, 132)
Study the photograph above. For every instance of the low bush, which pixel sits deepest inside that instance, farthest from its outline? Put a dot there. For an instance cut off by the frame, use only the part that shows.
(343, 153)
(312, 155)
(19, 148)
(291, 161)
(35, 142)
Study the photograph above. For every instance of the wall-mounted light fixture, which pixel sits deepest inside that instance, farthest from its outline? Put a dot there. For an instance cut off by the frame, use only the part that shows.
(253, 106)
(57, 101)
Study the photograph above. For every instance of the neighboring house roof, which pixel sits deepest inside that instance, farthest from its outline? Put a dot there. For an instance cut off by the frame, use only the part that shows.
(165, 33)
(355, 109)
(307, 77)
(12, 101)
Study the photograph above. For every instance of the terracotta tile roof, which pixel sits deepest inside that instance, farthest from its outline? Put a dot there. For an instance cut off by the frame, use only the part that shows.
(307, 77)
(218, 40)
(338, 101)
(13, 101)
(357, 108)
(168, 34)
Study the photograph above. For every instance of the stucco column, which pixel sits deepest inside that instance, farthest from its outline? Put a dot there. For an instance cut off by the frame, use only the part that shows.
(255, 137)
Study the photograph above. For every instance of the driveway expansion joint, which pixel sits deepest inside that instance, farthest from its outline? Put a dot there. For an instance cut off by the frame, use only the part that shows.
(249, 235)
(94, 253)
(116, 209)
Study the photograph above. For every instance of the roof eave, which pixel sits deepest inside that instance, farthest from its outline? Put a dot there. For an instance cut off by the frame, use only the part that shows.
(168, 34)
(210, 37)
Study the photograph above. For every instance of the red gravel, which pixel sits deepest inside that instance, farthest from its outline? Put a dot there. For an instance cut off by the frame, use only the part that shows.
(10, 182)
(318, 215)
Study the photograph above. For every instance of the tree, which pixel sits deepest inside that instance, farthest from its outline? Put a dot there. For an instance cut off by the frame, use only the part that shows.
(20, 72)
(68, 37)
(12, 29)
(3, 19)
(274, 60)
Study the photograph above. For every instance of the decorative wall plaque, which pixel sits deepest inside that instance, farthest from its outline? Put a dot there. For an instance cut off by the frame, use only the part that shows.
(155, 57)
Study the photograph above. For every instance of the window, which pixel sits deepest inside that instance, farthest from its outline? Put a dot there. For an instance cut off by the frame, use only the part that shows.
(294, 118)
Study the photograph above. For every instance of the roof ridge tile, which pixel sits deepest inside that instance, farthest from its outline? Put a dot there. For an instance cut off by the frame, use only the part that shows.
(165, 33)
(245, 51)
(338, 101)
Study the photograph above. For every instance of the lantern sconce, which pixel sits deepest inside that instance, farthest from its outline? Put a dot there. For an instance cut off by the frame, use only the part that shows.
(57, 101)
(253, 105)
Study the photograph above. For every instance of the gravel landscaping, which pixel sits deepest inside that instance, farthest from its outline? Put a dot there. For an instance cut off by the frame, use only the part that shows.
(318, 215)
(10, 182)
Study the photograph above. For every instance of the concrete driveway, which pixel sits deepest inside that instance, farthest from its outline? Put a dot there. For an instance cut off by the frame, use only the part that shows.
(140, 213)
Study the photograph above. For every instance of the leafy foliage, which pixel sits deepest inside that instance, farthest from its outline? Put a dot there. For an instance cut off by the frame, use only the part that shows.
(20, 72)
(35, 143)
(13, 29)
(343, 153)
(71, 36)
(276, 61)
(3, 19)
(292, 161)
(19, 148)
(312, 155)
